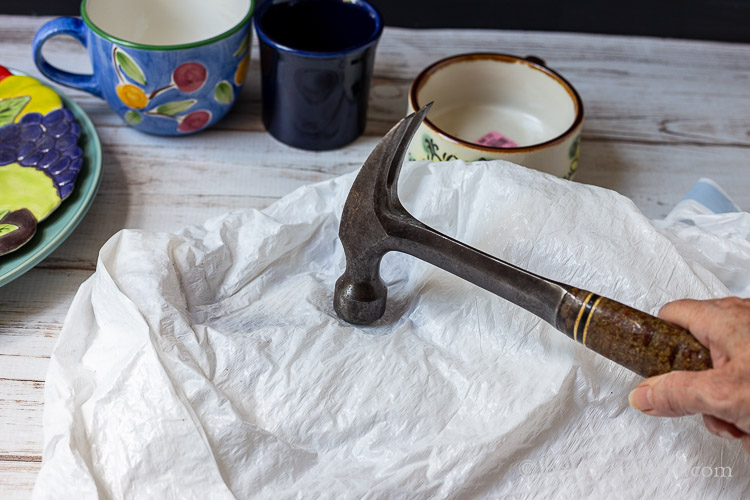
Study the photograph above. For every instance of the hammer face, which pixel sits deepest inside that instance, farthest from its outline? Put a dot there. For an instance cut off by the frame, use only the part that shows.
(359, 302)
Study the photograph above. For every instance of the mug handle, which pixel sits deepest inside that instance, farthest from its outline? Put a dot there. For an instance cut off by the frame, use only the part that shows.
(64, 26)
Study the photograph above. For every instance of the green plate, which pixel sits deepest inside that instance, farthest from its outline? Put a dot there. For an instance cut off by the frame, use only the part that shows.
(53, 230)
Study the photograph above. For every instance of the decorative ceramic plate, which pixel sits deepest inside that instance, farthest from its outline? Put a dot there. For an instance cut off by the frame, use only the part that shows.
(53, 230)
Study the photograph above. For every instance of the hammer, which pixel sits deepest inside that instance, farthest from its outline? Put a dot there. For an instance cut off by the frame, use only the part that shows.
(374, 222)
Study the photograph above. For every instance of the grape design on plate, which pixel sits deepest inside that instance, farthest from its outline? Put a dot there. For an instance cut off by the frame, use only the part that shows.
(39, 156)
(47, 143)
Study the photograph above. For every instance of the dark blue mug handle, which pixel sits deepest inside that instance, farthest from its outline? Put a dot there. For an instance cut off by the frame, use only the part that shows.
(64, 26)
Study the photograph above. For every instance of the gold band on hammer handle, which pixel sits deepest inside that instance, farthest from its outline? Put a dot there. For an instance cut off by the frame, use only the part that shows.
(636, 340)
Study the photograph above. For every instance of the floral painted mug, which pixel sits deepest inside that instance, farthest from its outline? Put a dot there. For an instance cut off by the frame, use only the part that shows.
(490, 106)
(166, 67)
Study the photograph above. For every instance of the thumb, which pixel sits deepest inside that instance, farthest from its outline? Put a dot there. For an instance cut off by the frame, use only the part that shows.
(674, 394)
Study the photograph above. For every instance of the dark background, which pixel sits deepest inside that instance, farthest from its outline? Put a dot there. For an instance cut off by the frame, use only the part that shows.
(727, 20)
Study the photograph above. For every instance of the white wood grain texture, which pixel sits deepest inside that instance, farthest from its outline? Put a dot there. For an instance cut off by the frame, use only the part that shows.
(32, 309)
(21, 414)
(659, 115)
(17, 479)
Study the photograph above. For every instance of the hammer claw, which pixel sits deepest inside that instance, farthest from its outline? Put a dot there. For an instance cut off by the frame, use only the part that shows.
(360, 293)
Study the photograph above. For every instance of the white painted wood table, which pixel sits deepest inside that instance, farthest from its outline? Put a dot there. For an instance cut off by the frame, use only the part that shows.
(659, 115)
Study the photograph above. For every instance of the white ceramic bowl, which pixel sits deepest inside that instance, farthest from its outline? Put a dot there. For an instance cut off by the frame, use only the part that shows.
(491, 106)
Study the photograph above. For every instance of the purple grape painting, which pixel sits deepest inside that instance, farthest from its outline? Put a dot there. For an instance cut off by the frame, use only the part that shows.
(39, 156)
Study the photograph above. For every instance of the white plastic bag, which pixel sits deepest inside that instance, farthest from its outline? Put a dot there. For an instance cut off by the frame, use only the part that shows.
(210, 363)
(709, 229)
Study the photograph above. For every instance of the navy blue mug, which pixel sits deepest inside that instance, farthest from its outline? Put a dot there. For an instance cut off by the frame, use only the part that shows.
(316, 61)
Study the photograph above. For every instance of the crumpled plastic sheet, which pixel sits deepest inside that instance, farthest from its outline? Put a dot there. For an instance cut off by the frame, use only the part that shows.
(708, 228)
(210, 363)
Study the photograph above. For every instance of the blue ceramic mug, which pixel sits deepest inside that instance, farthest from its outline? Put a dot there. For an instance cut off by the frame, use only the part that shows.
(165, 67)
(316, 65)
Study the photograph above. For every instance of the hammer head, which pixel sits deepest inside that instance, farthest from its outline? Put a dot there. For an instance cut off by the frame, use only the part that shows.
(372, 205)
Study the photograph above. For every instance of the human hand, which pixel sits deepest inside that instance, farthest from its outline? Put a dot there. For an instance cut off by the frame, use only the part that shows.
(721, 394)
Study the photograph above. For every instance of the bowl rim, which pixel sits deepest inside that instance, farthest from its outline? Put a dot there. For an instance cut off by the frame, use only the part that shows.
(167, 47)
(532, 62)
(370, 41)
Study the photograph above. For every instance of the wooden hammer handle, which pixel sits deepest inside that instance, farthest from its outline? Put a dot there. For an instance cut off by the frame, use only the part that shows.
(638, 341)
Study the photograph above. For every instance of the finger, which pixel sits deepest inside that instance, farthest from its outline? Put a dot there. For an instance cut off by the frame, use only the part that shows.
(676, 311)
(691, 315)
(675, 394)
(722, 428)
(715, 323)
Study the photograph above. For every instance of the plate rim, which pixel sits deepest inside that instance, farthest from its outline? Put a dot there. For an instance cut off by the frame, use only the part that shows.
(51, 242)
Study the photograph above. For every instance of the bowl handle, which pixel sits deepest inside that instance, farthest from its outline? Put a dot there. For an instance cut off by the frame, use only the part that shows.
(536, 60)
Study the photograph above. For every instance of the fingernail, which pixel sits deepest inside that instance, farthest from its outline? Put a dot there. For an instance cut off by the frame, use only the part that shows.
(726, 434)
(640, 398)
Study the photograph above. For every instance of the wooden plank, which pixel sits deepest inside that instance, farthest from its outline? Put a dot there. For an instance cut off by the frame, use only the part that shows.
(33, 309)
(23, 368)
(642, 172)
(17, 479)
(21, 408)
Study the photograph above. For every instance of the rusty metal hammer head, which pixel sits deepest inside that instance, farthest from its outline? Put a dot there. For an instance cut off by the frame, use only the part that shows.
(372, 213)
